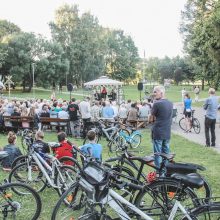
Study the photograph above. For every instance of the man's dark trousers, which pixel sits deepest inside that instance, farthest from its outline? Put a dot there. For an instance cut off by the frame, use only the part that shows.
(210, 125)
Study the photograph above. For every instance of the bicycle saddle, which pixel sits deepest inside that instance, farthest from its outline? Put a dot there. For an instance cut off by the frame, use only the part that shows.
(3, 154)
(146, 159)
(165, 156)
(193, 180)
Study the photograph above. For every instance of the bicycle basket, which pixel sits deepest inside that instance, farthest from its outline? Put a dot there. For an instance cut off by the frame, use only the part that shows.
(95, 174)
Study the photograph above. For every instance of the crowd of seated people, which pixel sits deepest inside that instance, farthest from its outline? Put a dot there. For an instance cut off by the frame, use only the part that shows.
(62, 109)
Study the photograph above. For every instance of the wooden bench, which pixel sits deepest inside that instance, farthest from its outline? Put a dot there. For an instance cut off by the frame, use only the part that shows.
(56, 122)
(16, 122)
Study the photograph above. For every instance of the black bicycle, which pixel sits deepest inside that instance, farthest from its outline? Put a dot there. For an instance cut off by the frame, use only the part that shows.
(18, 201)
(193, 123)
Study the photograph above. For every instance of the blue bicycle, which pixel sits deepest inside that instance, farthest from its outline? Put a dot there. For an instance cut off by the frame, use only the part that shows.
(133, 139)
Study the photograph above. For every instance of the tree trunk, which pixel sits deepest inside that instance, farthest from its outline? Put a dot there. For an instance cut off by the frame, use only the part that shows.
(203, 83)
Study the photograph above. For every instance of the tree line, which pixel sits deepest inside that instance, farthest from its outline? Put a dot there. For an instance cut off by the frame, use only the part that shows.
(81, 49)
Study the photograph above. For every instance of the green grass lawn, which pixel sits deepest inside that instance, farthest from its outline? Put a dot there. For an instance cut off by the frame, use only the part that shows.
(185, 151)
(173, 93)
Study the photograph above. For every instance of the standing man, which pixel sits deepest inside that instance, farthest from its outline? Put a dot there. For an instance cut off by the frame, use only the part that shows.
(196, 91)
(73, 109)
(161, 131)
(211, 107)
(85, 110)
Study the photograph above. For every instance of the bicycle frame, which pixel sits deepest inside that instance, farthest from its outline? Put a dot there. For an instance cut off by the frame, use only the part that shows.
(113, 199)
(44, 167)
(129, 138)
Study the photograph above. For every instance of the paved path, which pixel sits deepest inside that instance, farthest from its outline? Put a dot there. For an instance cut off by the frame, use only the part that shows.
(198, 138)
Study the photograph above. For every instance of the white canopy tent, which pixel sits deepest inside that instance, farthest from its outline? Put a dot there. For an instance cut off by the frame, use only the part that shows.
(105, 81)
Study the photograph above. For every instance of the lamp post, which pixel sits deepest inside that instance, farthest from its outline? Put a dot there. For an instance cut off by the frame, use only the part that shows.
(33, 79)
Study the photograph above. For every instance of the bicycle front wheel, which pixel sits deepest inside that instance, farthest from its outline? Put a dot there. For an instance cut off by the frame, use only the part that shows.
(196, 125)
(29, 174)
(71, 205)
(65, 177)
(182, 124)
(16, 206)
(135, 140)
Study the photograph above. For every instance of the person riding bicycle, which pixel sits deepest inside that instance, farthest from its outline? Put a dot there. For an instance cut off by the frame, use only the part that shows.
(187, 111)
(92, 148)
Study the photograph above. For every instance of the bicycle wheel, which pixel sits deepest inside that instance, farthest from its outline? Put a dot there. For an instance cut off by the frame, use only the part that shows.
(206, 212)
(116, 143)
(19, 160)
(13, 205)
(65, 177)
(76, 206)
(182, 124)
(196, 125)
(159, 197)
(135, 140)
(29, 174)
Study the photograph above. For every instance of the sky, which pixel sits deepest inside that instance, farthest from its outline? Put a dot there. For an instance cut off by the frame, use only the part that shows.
(152, 24)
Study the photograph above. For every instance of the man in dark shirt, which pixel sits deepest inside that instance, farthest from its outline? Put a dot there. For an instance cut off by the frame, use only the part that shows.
(73, 109)
(16, 124)
(161, 130)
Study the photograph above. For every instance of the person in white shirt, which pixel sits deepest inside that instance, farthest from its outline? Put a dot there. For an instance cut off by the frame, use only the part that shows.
(183, 92)
(144, 111)
(123, 113)
(85, 111)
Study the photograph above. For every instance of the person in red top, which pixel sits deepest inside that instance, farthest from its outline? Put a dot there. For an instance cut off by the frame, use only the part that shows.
(104, 92)
(65, 148)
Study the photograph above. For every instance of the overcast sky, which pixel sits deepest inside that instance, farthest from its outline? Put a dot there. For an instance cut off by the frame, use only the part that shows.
(153, 24)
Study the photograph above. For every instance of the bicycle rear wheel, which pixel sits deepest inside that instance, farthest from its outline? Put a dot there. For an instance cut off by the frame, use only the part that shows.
(196, 125)
(206, 212)
(135, 140)
(21, 206)
(159, 197)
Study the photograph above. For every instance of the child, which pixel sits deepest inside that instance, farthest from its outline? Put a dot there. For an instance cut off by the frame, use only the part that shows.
(12, 151)
(92, 148)
(65, 148)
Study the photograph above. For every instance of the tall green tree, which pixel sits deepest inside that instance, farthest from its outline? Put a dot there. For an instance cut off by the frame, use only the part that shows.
(121, 57)
(200, 28)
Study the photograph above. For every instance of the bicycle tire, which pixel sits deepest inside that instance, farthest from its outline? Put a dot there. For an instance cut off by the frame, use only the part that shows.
(205, 212)
(69, 175)
(196, 125)
(19, 174)
(163, 193)
(76, 197)
(18, 160)
(135, 141)
(182, 124)
(9, 197)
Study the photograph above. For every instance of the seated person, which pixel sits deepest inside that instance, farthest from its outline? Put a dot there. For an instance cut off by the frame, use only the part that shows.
(39, 144)
(12, 151)
(92, 148)
(65, 148)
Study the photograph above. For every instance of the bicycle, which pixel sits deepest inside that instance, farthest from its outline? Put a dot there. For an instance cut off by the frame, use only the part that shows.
(194, 123)
(110, 133)
(126, 164)
(41, 170)
(15, 200)
(90, 196)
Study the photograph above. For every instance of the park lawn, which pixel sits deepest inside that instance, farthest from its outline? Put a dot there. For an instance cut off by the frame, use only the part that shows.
(130, 91)
(185, 151)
